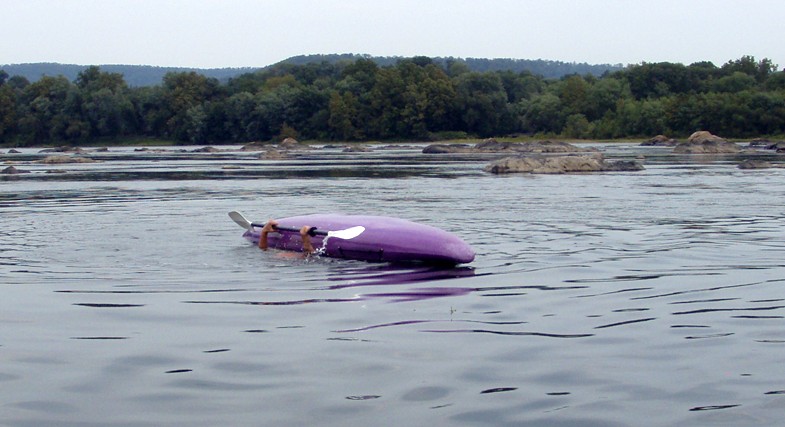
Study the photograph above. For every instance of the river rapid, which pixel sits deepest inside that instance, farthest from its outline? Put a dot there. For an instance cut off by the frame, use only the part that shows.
(129, 298)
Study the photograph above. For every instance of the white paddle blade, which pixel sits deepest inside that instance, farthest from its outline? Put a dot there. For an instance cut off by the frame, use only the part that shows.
(240, 220)
(349, 233)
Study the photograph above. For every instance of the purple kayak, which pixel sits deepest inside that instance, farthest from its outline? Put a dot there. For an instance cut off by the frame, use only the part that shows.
(384, 239)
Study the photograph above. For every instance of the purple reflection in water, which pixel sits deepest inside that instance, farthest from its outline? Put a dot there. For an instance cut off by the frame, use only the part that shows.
(394, 274)
(420, 294)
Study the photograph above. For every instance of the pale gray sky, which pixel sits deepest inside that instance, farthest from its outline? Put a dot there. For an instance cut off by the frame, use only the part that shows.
(248, 33)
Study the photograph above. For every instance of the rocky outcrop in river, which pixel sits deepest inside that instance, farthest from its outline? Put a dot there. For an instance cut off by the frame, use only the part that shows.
(573, 163)
(703, 142)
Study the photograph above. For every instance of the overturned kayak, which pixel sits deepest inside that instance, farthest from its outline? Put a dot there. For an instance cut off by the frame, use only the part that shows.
(365, 238)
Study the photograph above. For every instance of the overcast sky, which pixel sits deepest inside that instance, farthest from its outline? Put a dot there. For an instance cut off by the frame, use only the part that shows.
(248, 33)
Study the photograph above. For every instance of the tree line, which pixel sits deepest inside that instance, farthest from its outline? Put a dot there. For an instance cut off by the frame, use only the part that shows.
(540, 67)
(414, 99)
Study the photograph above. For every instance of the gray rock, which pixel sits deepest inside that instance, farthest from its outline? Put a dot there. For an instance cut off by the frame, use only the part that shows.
(703, 142)
(66, 159)
(13, 171)
(63, 149)
(207, 149)
(577, 163)
(778, 146)
(292, 144)
(755, 164)
(759, 143)
(660, 141)
(447, 149)
(707, 147)
(356, 149)
(702, 136)
(623, 166)
(255, 146)
(273, 154)
(396, 147)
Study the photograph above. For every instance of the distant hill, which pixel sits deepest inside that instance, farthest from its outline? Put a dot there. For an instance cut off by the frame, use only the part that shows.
(146, 75)
(134, 75)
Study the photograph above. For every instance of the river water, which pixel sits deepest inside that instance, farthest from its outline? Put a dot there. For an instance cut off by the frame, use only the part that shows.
(129, 298)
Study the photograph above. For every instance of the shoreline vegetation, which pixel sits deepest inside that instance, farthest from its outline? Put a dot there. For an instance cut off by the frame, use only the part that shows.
(413, 100)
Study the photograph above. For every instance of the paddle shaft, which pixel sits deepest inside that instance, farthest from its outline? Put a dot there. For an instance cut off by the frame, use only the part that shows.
(349, 233)
(312, 232)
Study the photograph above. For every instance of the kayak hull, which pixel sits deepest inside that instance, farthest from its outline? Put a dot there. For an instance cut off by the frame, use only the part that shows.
(385, 239)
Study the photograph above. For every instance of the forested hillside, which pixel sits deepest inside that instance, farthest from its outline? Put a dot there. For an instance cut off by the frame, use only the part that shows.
(413, 99)
(145, 75)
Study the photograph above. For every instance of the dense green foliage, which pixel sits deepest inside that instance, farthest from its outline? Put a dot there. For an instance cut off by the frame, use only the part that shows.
(414, 99)
(540, 67)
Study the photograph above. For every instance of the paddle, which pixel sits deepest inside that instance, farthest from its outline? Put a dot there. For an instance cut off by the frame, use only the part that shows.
(349, 233)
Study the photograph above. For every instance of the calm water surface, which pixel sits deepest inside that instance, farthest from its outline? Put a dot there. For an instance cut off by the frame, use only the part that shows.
(651, 298)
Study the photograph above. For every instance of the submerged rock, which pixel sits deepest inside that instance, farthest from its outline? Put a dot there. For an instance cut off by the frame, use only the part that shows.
(356, 149)
(63, 149)
(255, 146)
(207, 149)
(708, 147)
(778, 146)
(13, 171)
(447, 149)
(759, 143)
(623, 166)
(660, 141)
(560, 164)
(293, 144)
(491, 145)
(530, 147)
(273, 154)
(396, 147)
(66, 159)
(754, 164)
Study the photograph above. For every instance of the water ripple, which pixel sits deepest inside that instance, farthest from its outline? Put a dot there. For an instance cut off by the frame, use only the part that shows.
(509, 333)
(626, 322)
